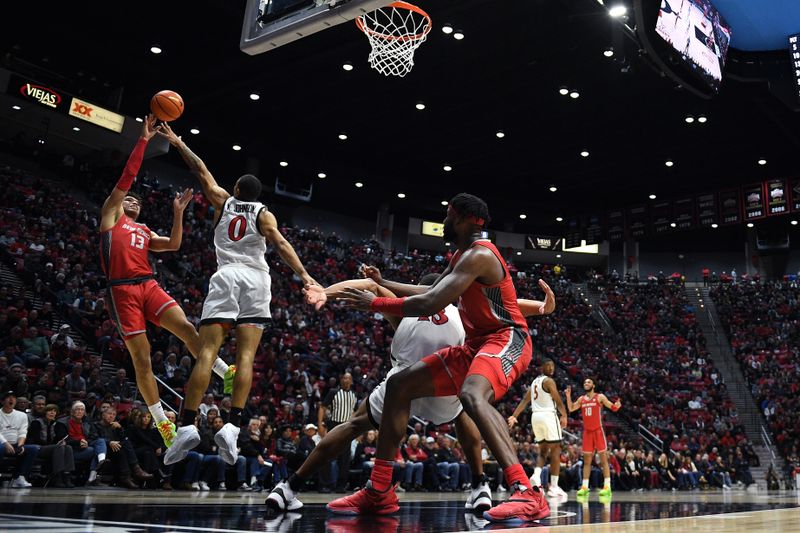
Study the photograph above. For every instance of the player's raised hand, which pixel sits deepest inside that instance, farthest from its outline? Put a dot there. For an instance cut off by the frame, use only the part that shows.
(512, 420)
(182, 199)
(372, 273)
(568, 391)
(617, 404)
(169, 135)
(149, 128)
(315, 295)
(357, 299)
(549, 304)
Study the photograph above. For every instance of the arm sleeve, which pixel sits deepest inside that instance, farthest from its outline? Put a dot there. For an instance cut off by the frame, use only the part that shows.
(132, 166)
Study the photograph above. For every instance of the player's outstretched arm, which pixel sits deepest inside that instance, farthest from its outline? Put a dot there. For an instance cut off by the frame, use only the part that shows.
(112, 207)
(518, 411)
(216, 195)
(399, 289)
(607, 403)
(537, 308)
(173, 242)
(268, 225)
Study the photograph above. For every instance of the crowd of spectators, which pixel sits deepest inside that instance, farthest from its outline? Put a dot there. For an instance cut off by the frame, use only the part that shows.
(762, 321)
(655, 364)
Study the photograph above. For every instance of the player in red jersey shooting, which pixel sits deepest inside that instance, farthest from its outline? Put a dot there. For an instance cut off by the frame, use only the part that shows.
(496, 352)
(594, 438)
(134, 297)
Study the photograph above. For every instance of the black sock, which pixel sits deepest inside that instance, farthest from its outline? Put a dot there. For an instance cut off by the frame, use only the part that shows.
(236, 416)
(188, 417)
(296, 482)
(477, 479)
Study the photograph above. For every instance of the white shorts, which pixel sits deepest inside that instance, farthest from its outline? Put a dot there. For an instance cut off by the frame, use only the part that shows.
(438, 410)
(546, 427)
(238, 295)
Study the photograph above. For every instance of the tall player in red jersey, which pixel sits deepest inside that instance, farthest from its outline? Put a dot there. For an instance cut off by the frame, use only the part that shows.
(133, 294)
(594, 438)
(497, 350)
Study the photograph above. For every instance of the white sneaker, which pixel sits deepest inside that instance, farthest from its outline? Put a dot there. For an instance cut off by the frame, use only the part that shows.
(20, 483)
(556, 492)
(226, 443)
(501, 488)
(203, 485)
(479, 499)
(282, 498)
(222, 486)
(195, 486)
(186, 439)
(726, 487)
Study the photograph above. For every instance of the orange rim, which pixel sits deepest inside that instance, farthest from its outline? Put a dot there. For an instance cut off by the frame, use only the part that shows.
(398, 5)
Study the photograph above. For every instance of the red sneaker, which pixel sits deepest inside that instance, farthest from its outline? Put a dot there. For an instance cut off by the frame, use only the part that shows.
(524, 505)
(366, 501)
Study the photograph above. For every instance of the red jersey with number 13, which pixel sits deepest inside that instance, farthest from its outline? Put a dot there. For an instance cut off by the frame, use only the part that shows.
(123, 250)
(590, 407)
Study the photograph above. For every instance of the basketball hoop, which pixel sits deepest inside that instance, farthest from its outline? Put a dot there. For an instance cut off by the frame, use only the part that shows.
(394, 32)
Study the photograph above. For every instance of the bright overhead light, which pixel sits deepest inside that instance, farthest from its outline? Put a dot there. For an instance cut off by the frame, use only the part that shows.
(762, 162)
(715, 225)
(447, 168)
(155, 49)
(76, 128)
(558, 256)
(284, 163)
(500, 134)
(458, 35)
(322, 175)
(794, 222)
(519, 253)
(17, 108)
(618, 11)
(254, 96)
(401, 195)
(420, 105)
(447, 29)
(445, 202)
(608, 52)
(574, 94)
(689, 119)
(236, 147)
(559, 219)
(359, 184)
(749, 224)
(194, 131)
(563, 91)
(342, 137)
(139, 119)
(669, 162)
(672, 225)
(584, 154)
(523, 216)
(347, 66)
(553, 188)
(652, 196)
(702, 119)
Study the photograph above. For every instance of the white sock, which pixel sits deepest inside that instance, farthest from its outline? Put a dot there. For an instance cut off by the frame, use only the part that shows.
(158, 412)
(585, 484)
(92, 476)
(537, 476)
(554, 481)
(607, 482)
(101, 457)
(220, 367)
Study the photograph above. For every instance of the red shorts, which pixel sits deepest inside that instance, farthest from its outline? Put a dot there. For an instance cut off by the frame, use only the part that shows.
(131, 305)
(501, 358)
(594, 439)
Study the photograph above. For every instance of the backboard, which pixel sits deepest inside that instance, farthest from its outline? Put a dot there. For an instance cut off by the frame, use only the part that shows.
(269, 24)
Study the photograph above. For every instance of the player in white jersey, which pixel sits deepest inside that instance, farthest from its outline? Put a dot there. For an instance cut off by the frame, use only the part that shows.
(546, 405)
(414, 338)
(238, 296)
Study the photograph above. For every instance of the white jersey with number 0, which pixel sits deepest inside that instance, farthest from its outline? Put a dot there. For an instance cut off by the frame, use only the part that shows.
(237, 237)
(541, 401)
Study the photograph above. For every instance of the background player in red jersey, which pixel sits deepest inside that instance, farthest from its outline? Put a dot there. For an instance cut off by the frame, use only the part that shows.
(134, 296)
(497, 351)
(594, 438)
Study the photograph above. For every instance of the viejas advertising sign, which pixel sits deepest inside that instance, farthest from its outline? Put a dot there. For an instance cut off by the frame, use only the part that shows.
(40, 93)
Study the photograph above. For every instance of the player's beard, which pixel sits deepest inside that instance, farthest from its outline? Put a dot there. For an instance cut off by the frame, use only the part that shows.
(448, 231)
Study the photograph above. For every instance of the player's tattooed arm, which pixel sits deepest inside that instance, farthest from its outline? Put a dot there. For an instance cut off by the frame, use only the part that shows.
(215, 194)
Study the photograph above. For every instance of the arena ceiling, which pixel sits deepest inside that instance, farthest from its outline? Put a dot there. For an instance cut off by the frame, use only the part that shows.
(505, 75)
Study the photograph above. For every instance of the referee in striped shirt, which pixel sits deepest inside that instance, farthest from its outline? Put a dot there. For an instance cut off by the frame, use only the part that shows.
(340, 402)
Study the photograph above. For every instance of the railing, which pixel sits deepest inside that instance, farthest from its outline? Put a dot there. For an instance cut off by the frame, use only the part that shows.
(768, 443)
(174, 393)
(649, 437)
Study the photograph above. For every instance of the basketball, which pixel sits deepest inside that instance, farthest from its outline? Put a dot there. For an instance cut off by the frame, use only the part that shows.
(167, 105)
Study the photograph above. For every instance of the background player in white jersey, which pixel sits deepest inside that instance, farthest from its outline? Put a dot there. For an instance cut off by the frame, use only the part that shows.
(238, 296)
(546, 423)
(413, 336)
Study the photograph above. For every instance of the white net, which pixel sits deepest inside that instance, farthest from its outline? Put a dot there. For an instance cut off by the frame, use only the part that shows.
(394, 32)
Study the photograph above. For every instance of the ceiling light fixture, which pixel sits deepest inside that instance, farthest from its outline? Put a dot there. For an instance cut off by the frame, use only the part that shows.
(762, 162)
(76, 128)
(194, 131)
(500, 134)
(715, 225)
(139, 119)
(420, 105)
(458, 35)
(254, 96)
(401, 195)
(794, 222)
(618, 11)
(584, 153)
(17, 108)
(445, 202)
(702, 119)
(284, 163)
(559, 219)
(322, 175)
(155, 49)
(558, 256)
(669, 162)
(673, 225)
(563, 91)
(359, 184)
(608, 52)
(749, 224)
(574, 94)
(447, 28)
(519, 253)
(689, 119)
(236, 147)
(347, 66)
(652, 196)
(523, 216)
(447, 168)
(342, 136)
(553, 188)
